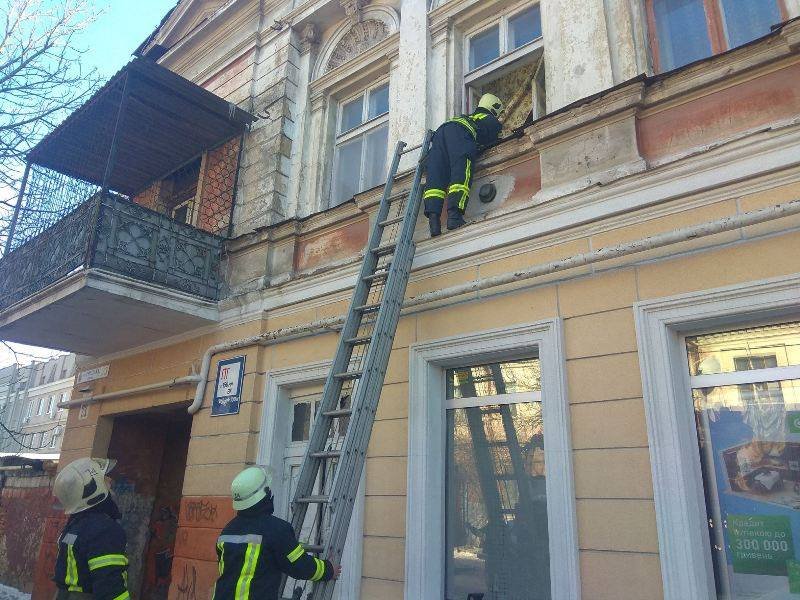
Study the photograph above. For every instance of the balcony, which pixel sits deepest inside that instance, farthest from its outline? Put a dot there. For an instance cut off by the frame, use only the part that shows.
(118, 233)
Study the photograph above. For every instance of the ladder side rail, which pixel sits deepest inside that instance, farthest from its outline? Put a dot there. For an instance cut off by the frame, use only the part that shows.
(333, 386)
(379, 350)
(512, 441)
(350, 467)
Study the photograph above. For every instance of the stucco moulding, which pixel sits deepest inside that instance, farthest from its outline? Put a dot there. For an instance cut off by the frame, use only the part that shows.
(361, 37)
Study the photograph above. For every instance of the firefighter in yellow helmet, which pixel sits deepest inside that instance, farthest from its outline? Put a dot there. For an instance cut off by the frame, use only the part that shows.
(91, 560)
(456, 145)
(256, 548)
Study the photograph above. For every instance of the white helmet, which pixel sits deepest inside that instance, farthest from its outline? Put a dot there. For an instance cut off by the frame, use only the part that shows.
(250, 487)
(82, 484)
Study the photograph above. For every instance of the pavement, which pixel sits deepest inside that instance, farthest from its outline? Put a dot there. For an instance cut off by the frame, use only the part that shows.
(9, 593)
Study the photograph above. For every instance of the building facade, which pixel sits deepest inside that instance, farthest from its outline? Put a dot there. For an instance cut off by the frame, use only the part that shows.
(593, 387)
(31, 394)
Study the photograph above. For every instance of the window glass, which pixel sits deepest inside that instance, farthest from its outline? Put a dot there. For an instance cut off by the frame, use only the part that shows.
(40, 408)
(744, 349)
(378, 102)
(524, 27)
(682, 32)
(746, 20)
(496, 378)
(301, 422)
(484, 47)
(749, 442)
(352, 114)
(375, 160)
(346, 170)
(496, 505)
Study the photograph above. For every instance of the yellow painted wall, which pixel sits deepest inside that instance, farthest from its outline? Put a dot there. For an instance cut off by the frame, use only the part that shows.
(615, 510)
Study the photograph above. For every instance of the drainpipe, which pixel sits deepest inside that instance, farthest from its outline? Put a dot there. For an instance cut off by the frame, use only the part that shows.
(762, 215)
(163, 385)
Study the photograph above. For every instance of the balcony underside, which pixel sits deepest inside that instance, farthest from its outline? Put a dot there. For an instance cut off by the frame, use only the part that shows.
(95, 312)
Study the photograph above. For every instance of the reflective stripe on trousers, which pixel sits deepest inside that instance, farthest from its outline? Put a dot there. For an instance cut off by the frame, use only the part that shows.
(462, 188)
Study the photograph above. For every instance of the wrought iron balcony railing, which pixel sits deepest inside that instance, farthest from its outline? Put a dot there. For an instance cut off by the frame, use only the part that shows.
(110, 233)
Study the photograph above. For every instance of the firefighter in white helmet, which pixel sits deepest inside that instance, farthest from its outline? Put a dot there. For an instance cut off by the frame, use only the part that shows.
(455, 146)
(91, 559)
(257, 548)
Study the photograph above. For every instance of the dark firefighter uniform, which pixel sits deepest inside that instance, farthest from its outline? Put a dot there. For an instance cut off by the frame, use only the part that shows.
(91, 558)
(255, 548)
(455, 146)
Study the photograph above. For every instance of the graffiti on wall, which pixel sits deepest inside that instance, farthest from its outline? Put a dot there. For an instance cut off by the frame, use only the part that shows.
(201, 510)
(136, 509)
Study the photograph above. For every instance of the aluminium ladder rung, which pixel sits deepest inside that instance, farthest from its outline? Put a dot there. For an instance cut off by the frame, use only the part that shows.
(313, 500)
(377, 276)
(314, 548)
(349, 375)
(369, 308)
(392, 221)
(339, 412)
(360, 341)
(384, 250)
(326, 454)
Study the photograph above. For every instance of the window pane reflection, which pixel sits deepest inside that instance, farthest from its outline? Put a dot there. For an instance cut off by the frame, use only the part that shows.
(484, 47)
(352, 114)
(747, 20)
(682, 32)
(378, 101)
(749, 446)
(496, 524)
(745, 349)
(375, 159)
(496, 378)
(348, 167)
(524, 27)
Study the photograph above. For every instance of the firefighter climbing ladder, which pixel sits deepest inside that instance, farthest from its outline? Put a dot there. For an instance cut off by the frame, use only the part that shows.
(338, 442)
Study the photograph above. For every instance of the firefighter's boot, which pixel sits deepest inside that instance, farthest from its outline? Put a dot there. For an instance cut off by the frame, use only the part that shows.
(455, 218)
(434, 224)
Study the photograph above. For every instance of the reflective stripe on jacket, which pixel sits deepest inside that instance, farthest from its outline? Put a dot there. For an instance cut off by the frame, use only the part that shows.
(91, 558)
(482, 125)
(254, 551)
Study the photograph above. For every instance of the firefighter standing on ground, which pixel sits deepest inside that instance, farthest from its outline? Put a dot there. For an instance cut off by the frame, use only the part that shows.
(456, 145)
(256, 548)
(91, 559)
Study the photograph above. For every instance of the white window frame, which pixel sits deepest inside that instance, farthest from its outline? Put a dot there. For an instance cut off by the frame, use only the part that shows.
(533, 51)
(366, 126)
(273, 437)
(425, 522)
(662, 326)
(40, 407)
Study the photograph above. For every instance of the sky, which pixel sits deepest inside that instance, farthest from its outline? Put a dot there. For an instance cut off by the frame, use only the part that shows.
(109, 42)
(123, 25)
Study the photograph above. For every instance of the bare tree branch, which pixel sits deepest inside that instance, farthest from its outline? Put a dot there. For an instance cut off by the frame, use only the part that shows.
(41, 79)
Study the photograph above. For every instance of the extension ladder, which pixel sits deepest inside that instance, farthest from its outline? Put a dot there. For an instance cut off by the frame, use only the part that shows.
(337, 448)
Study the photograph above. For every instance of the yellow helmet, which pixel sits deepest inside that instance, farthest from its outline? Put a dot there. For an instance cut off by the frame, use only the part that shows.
(491, 103)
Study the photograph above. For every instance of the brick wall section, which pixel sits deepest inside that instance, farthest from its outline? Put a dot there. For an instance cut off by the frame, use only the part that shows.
(25, 504)
(218, 184)
(44, 588)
